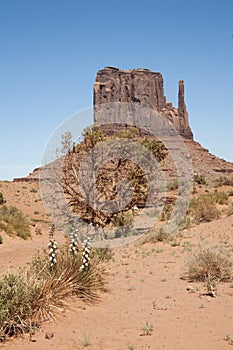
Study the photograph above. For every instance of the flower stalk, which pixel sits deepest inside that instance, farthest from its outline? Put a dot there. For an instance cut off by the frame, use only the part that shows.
(74, 243)
(86, 255)
(52, 248)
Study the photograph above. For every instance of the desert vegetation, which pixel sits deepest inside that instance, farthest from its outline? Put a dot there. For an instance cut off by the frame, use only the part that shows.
(211, 265)
(36, 293)
(14, 222)
(110, 173)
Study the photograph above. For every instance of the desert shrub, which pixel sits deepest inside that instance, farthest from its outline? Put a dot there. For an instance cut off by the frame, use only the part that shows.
(186, 222)
(104, 253)
(203, 209)
(2, 200)
(16, 304)
(123, 222)
(173, 185)
(129, 133)
(209, 262)
(1, 239)
(229, 210)
(166, 213)
(33, 295)
(199, 179)
(123, 219)
(224, 181)
(230, 194)
(14, 222)
(156, 235)
(156, 147)
(221, 197)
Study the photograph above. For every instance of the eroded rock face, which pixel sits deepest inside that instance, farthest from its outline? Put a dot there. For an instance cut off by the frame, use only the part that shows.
(144, 87)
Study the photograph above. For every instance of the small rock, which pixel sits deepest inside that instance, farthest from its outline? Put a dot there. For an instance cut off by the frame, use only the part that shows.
(49, 335)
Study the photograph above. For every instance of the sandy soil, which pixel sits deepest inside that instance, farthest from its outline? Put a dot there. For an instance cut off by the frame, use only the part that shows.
(144, 286)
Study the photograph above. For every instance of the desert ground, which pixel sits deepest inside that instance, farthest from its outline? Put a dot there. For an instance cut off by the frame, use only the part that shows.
(147, 304)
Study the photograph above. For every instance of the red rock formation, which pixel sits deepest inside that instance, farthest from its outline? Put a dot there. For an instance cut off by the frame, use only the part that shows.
(144, 87)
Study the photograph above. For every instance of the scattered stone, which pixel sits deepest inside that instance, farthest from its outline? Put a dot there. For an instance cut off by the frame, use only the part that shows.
(49, 335)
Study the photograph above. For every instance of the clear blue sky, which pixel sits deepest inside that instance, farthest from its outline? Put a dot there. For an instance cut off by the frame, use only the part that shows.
(51, 51)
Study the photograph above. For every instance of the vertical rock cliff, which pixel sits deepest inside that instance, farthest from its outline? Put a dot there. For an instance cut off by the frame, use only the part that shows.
(144, 87)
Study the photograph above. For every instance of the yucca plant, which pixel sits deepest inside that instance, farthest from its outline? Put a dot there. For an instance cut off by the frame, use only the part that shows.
(36, 294)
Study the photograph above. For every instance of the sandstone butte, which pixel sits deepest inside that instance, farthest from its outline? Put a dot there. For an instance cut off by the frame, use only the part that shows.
(146, 88)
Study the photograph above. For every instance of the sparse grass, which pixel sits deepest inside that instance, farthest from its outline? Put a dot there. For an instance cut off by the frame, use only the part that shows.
(210, 262)
(147, 329)
(203, 209)
(35, 294)
(14, 222)
(104, 253)
(166, 213)
(224, 181)
(38, 231)
(156, 235)
(229, 339)
(131, 347)
(186, 246)
(221, 197)
(86, 341)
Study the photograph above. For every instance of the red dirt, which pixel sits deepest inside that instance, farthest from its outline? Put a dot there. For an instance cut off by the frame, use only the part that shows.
(144, 285)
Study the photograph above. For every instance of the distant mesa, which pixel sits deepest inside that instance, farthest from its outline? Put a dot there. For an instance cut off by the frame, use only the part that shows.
(144, 87)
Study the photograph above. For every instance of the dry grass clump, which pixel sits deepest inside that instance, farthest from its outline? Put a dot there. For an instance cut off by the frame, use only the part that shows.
(203, 209)
(224, 181)
(220, 197)
(156, 235)
(14, 222)
(210, 263)
(29, 297)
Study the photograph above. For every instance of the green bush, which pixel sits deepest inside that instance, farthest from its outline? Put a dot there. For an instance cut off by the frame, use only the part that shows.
(199, 179)
(129, 133)
(157, 148)
(14, 222)
(16, 301)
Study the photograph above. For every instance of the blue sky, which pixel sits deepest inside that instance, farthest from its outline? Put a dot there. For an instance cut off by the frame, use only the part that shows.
(51, 51)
